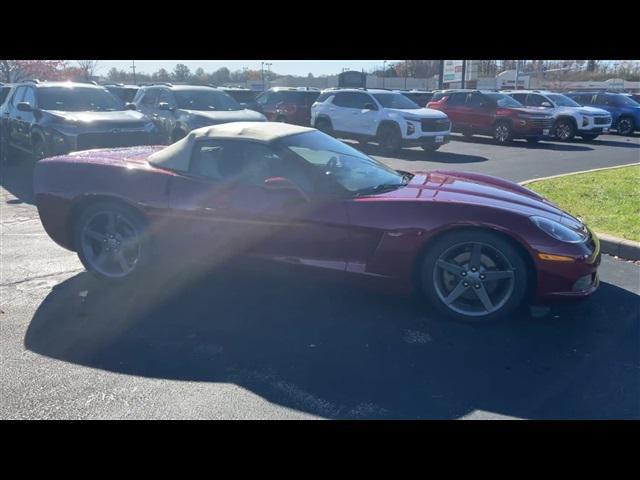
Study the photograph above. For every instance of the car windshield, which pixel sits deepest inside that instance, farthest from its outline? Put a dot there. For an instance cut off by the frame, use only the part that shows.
(78, 99)
(623, 100)
(205, 100)
(503, 100)
(352, 170)
(562, 100)
(395, 100)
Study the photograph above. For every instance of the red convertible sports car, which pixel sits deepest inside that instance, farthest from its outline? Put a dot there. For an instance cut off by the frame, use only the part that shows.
(476, 246)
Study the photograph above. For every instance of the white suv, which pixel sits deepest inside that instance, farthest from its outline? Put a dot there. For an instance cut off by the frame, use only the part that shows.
(570, 118)
(383, 116)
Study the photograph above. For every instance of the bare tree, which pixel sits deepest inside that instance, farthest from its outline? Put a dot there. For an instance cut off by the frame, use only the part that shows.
(88, 67)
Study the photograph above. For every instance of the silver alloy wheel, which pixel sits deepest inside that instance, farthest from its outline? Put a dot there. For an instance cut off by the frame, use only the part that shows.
(625, 127)
(502, 133)
(110, 244)
(473, 279)
(563, 131)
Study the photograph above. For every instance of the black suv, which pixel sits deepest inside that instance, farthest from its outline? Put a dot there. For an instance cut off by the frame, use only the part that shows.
(54, 118)
(178, 109)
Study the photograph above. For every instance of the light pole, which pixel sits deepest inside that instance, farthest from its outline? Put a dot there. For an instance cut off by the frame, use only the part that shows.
(384, 71)
(245, 71)
(133, 67)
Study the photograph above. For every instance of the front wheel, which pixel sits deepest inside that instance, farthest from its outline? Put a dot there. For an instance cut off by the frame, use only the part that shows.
(502, 132)
(474, 276)
(324, 126)
(625, 126)
(564, 130)
(389, 139)
(111, 241)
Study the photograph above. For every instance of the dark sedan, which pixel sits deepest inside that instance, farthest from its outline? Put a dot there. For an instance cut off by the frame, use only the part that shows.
(477, 247)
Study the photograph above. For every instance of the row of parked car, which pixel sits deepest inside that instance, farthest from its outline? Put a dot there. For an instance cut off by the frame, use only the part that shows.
(50, 118)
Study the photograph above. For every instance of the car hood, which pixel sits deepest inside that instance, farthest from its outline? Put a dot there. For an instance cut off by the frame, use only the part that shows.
(245, 115)
(474, 189)
(119, 117)
(418, 112)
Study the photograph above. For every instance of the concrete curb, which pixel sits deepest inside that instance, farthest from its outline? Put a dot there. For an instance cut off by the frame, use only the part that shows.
(619, 247)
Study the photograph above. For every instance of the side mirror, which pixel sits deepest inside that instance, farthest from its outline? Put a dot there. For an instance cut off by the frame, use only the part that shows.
(24, 107)
(369, 106)
(130, 106)
(165, 106)
(284, 184)
(546, 105)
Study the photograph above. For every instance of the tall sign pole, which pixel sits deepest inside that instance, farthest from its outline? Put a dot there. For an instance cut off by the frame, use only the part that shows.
(133, 68)
(441, 75)
(464, 73)
(517, 74)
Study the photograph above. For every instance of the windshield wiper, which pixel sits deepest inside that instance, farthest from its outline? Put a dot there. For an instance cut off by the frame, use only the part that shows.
(383, 187)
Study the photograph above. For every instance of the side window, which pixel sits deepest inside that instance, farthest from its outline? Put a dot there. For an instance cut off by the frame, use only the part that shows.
(456, 99)
(535, 100)
(29, 97)
(17, 96)
(604, 100)
(149, 98)
(359, 100)
(167, 97)
(259, 162)
(323, 97)
(342, 99)
(215, 159)
(474, 99)
(520, 97)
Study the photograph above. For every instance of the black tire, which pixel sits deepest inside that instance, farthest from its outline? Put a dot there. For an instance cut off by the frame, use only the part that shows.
(430, 148)
(626, 126)
(324, 125)
(389, 139)
(509, 293)
(87, 247)
(467, 134)
(588, 138)
(564, 130)
(40, 149)
(533, 140)
(502, 132)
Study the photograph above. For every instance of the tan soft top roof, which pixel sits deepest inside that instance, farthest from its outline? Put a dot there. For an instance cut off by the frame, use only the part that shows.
(176, 156)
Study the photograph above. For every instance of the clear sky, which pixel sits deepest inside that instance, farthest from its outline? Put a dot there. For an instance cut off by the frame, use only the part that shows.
(283, 67)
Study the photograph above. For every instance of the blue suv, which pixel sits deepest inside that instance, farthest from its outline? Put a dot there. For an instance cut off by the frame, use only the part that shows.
(625, 112)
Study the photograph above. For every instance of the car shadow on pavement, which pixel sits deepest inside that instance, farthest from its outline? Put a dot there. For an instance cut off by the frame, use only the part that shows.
(340, 352)
(519, 143)
(17, 179)
(622, 143)
(419, 155)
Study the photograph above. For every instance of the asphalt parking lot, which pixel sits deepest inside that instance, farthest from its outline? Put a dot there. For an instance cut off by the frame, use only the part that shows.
(249, 346)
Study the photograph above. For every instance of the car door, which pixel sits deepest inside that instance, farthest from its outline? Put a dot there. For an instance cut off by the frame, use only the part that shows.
(455, 110)
(340, 112)
(606, 102)
(478, 112)
(365, 114)
(223, 209)
(28, 119)
(165, 120)
(148, 104)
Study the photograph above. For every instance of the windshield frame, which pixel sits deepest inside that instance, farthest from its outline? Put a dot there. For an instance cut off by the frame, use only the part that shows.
(74, 95)
(181, 97)
(284, 145)
(410, 106)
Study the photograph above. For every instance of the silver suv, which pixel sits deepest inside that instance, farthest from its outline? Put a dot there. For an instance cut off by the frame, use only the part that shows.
(382, 116)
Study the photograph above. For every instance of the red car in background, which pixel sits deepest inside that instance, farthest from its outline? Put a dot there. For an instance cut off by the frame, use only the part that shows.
(477, 112)
(477, 247)
(287, 104)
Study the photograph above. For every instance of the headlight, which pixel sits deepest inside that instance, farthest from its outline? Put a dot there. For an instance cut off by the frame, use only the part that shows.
(558, 231)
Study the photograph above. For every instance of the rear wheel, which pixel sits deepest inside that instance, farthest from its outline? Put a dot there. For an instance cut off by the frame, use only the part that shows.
(564, 130)
(474, 276)
(502, 132)
(111, 241)
(389, 139)
(467, 134)
(625, 126)
(178, 135)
